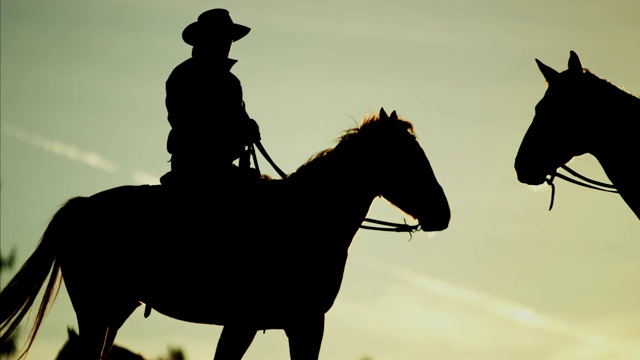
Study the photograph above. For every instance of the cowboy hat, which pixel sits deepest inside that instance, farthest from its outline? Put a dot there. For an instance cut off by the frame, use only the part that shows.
(213, 23)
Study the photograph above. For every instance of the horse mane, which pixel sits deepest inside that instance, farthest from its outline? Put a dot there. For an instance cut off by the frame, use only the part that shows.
(370, 124)
(602, 84)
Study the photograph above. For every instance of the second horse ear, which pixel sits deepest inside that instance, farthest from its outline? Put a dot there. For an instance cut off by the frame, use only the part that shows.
(393, 115)
(383, 114)
(574, 62)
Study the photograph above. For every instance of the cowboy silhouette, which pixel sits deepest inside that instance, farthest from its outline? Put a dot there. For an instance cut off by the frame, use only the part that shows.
(210, 127)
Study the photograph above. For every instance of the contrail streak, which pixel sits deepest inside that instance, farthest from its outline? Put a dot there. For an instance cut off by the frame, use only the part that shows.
(61, 149)
(74, 153)
(509, 311)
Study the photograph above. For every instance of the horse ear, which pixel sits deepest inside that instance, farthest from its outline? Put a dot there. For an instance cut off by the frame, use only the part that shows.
(574, 62)
(393, 115)
(549, 73)
(383, 114)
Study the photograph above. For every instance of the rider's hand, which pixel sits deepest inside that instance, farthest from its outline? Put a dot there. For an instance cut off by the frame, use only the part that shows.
(252, 131)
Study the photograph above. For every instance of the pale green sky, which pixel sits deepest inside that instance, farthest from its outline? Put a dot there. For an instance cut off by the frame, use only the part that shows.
(82, 110)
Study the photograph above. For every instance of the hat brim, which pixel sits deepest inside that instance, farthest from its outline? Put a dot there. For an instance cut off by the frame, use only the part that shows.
(195, 34)
(239, 31)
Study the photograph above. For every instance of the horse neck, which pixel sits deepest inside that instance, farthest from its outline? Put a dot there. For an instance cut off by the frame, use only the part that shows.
(342, 181)
(616, 143)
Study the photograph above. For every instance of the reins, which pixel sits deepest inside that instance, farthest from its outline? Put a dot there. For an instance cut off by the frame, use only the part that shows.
(586, 182)
(266, 156)
(393, 226)
(386, 225)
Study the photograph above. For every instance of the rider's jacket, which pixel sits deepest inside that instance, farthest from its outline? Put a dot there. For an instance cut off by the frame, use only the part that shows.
(209, 124)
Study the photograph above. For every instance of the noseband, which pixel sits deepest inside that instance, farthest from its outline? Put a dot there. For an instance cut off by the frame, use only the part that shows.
(586, 182)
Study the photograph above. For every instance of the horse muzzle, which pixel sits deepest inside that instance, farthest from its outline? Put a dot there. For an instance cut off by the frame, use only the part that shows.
(435, 222)
(530, 172)
(429, 227)
(531, 179)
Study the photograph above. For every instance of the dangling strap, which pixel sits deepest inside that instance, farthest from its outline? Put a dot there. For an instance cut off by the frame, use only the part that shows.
(245, 159)
(252, 151)
(553, 190)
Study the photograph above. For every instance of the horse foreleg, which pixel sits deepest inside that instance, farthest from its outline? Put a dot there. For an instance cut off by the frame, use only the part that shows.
(92, 340)
(305, 337)
(97, 332)
(234, 342)
(116, 320)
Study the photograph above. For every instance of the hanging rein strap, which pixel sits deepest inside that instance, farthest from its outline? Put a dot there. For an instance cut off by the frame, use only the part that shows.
(586, 182)
(266, 156)
(388, 226)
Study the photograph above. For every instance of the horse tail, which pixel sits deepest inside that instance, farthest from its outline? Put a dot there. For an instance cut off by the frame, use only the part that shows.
(20, 293)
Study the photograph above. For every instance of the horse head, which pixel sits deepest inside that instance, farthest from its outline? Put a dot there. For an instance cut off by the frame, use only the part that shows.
(407, 179)
(559, 130)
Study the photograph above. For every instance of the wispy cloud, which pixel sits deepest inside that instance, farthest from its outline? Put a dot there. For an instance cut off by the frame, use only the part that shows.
(72, 152)
(593, 345)
(60, 148)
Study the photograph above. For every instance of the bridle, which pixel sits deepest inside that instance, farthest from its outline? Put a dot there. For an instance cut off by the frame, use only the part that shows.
(586, 182)
(386, 225)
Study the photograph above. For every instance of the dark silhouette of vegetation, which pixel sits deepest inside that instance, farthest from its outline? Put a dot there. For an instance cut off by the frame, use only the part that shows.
(173, 353)
(72, 350)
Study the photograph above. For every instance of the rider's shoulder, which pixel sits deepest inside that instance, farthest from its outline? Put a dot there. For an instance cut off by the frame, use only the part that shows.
(186, 66)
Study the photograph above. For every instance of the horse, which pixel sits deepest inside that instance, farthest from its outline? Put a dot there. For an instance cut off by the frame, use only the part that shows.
(71, 350)
(271, 256)
(581, 113)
